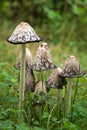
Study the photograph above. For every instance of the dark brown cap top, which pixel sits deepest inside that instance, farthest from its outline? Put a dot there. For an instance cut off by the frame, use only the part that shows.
(71, 68)
(23, 33)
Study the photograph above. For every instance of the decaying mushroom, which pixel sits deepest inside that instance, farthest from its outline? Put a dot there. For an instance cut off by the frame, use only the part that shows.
(55, 80)
(23, 34)
(43, 59)
(29, 75)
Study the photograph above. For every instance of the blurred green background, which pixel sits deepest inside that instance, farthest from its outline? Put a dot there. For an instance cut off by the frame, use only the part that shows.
(61, 23)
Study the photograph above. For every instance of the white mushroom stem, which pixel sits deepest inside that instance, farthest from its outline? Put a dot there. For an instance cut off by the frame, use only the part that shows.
(68, 94)
(22, 76)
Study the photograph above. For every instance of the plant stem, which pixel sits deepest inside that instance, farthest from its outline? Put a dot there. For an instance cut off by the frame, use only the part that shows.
(68, 94)
(22, 76)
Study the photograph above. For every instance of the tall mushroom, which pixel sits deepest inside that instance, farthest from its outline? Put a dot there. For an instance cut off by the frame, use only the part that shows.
(23, 34)
(71, 69)
(56, 81)
(43, 60)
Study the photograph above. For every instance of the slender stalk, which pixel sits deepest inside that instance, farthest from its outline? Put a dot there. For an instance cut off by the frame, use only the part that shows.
(60, 100)
(76, 90)
(60, 96)
(60, 105)
(22, 77)
(68, 94)
(75, 95)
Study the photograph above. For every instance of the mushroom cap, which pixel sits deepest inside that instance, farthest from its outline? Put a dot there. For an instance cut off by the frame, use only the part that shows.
(71, 68)
(43, 59)
(23, 33)
(55, 80)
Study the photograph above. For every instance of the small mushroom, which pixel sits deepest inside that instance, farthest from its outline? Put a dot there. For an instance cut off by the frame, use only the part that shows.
(43, 59)
(23, 34)
(55, 80)
(71, 68)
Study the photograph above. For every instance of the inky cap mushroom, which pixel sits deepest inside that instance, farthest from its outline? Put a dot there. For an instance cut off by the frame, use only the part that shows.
(23, 33)
(71, 68)
(43, 58)
(55, 80)
(28, 59)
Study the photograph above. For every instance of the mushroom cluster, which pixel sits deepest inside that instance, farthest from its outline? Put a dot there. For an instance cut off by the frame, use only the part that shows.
(23, 34)
(71, 69)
